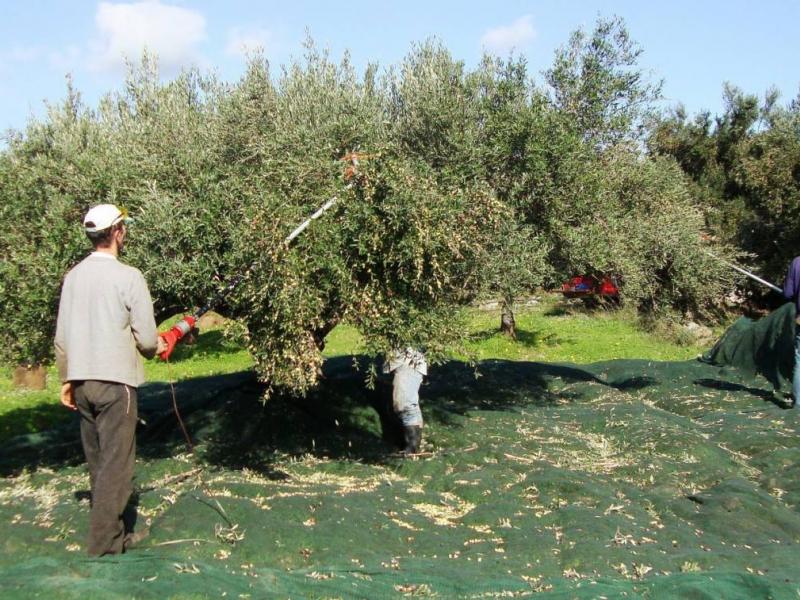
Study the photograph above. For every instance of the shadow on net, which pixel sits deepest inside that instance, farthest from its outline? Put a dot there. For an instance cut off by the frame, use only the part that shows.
(342, 418)
(768, 395)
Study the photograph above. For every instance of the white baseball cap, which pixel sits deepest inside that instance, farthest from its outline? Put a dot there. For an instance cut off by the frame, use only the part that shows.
(103, 216)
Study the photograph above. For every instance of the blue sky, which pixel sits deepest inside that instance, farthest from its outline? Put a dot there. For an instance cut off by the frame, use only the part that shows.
(694, 46)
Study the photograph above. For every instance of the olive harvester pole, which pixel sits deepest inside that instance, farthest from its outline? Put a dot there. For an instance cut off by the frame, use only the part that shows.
(752, 276)
(187, 323)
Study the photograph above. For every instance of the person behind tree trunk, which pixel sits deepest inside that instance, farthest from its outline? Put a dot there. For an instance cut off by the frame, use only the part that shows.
(409, 367)
(105, 324)
(791, 291)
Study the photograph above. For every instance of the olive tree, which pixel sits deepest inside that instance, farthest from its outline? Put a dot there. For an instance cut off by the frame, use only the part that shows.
(468, 182)
(476, 128)
(398, 255)
(46, 180)
(596, 81)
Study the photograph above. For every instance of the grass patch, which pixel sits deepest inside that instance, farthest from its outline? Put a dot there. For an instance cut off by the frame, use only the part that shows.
(551, 331)
(26, 411)
(554, 331)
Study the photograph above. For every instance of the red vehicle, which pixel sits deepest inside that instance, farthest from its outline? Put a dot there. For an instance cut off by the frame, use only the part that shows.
(584, 286)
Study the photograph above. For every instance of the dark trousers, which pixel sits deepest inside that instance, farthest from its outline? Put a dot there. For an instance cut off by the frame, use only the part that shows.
(108, 432)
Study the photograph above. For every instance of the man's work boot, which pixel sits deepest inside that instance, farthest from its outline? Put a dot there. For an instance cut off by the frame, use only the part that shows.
(413, 439)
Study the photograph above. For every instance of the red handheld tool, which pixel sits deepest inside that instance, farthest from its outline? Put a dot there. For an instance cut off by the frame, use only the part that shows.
(176, 333)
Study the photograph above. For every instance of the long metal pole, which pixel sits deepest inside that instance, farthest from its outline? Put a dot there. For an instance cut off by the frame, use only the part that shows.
(752, 276)
(236, 280)
(307, 222)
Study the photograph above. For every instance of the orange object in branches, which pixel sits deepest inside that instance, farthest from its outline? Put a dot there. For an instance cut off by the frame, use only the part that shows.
(353, 158)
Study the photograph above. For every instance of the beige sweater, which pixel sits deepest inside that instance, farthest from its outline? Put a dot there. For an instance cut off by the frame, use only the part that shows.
(105, 322)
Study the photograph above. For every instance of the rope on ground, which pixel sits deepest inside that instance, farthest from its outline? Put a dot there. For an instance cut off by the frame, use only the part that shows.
(231, 533)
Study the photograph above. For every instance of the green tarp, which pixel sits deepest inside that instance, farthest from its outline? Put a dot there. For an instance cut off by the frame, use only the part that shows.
(764, 346)
(618, 479)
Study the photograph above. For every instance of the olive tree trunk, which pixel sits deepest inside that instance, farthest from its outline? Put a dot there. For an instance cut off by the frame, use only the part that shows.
(507, 323)
(31, 377)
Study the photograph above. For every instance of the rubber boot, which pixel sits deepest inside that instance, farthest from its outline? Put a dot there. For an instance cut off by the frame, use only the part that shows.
(413, 439)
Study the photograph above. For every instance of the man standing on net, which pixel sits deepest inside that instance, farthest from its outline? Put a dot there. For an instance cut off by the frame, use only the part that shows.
(791, 291)
(409, 367)
(105, 325)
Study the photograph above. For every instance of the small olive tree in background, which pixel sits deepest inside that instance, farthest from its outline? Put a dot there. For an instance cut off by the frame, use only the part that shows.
(642, 226)
(576, 171)
(475, 128)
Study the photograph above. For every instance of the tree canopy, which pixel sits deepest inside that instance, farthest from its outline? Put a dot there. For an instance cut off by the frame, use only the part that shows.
(471, 182)
(744, 169)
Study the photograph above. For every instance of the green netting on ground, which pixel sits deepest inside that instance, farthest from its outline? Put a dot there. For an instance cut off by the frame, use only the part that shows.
(764, 346)
(618, 479)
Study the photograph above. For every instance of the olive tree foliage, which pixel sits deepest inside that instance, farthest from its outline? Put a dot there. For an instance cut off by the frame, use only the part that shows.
(743, 168)
(567, 158)
(606, 208)
(595, 82)
(475, 127)
(512, 116)
(397, 260)
(285, 150)
(164, 166)
(469, 182)
(150, 148)
(398, 254)
(642, 226)
(45, 178)
(767, 170)
(432, 111)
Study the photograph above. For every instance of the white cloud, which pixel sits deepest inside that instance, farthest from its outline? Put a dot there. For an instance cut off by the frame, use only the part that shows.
(501, 40)
(243, 42)
(125, 30)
